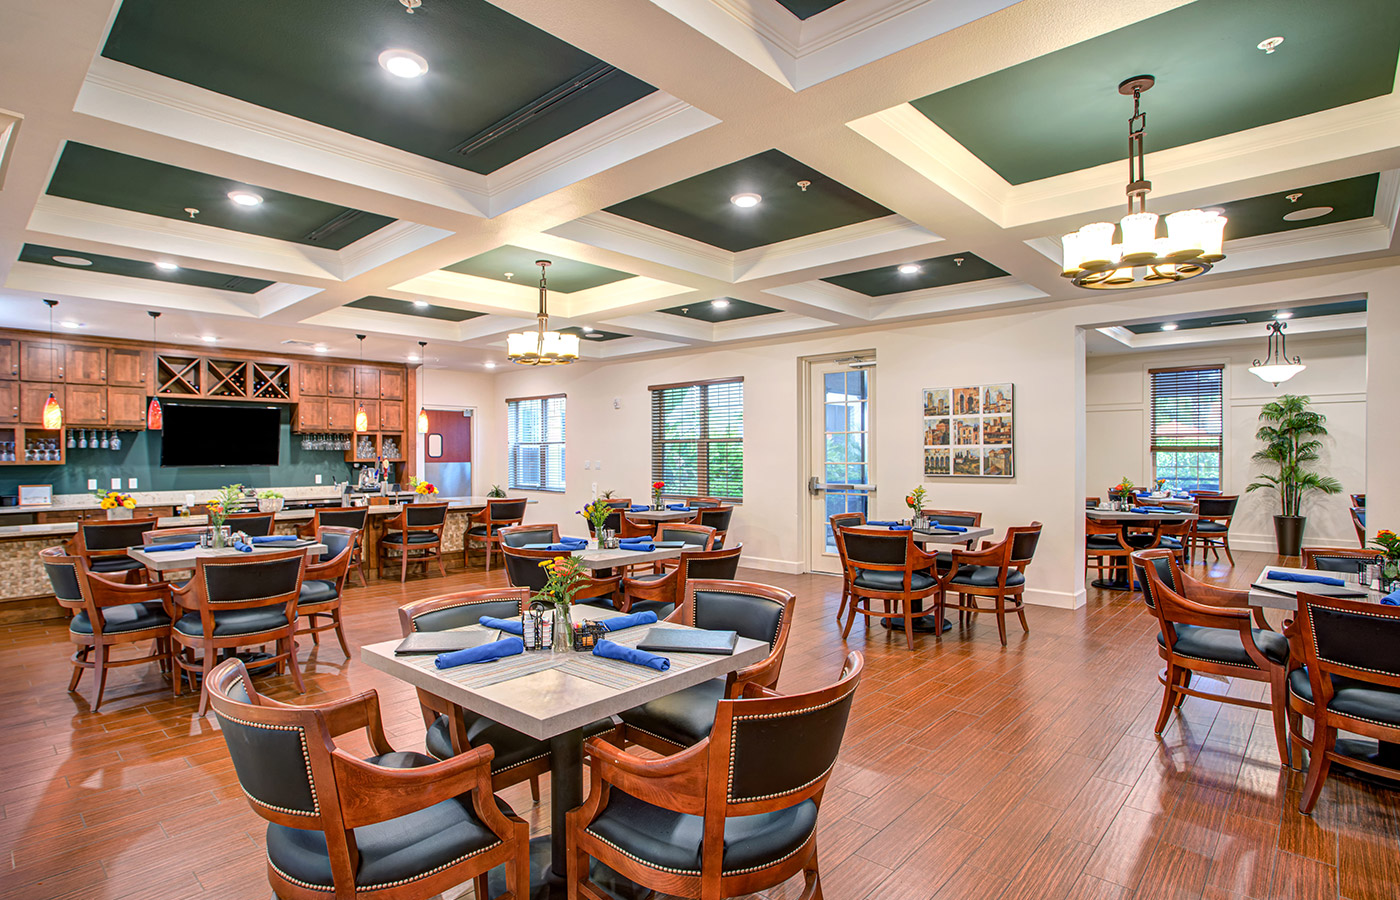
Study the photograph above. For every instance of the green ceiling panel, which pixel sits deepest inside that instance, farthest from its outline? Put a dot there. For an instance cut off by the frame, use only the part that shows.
(707, 311)
(1062, 112)
(114, 265)
(407, 308)
(107, 178)
(564, 275)
(1344, 307)
(1350, 198)
(936, 272)
(805, 9)
(319, 62)
(596, 335)
(699, 207)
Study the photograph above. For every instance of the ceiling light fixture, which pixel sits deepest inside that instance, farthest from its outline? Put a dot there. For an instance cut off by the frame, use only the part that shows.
(53, 413)
(411, 5)
(209, 339)
(1283, 315)
(245, 198)
(73, 260)
(421, 304)
(361, 417)
(1311, 212)
(1194, 240)
(155, 417)
(403, 63)
(490, 365)
(909, 269)
(423, 410)
(167, 266)
(69, 323)
(1277, 367)
(588, 329)
(320, 349)
(1269, 45)
(1169, 326)
(542, 347)
(746, 201)
(721, 303)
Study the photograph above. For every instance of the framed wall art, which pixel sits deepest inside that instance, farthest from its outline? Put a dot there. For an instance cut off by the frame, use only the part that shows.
(970, 431)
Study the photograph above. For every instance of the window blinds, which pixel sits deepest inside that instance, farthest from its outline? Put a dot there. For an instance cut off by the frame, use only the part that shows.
(535, 443)
(1188, 410)
(697, 438)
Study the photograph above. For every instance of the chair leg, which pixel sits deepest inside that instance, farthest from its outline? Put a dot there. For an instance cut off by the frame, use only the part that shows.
(1001, 618)
(207, 666)
(1278, 700)
(535, 788)
(481, 893)
(1295, 737)
(1324, 739)
(1185, 679)
(909, 624)
(1225, 539)
(488, 553)
(99, 672)
(850, 618)
(1168, 699)
(403, 561)
(1021, 611)
(77, 669)
(442, 570)
(290, 645)
(340, 632)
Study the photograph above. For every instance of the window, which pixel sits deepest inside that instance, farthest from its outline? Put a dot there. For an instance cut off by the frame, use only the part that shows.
(697, 438)
(535, 435)
(1188, 425)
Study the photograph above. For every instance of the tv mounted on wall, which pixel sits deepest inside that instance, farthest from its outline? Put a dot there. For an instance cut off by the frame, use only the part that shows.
(225, 434)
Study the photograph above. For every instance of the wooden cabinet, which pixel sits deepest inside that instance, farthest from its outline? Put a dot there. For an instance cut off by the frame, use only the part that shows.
(391, 384)
(32, 397)
(126, 407)
(367, 382)
(85, 364)
(9, 401)
(40, 361)
(9, 359)
(311, 414)
(340, 381)
(128, 367)
(340, 414)
(311, 379)
(85, 404)
(390, 415)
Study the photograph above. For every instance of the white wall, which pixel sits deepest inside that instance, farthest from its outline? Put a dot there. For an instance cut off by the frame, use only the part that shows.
(1118, 400)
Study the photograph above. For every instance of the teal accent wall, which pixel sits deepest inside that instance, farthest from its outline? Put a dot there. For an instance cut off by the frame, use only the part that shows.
(139, 458)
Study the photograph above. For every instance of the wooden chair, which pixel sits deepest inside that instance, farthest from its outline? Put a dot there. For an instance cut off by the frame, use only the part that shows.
(104, 544)
(523, 570)
(323, 585)
(342, 517)
(173, 535)
(237, 601)
(619, 502)
(1204, 493)
(417, 528)
(997, 571)
(1105, 547)
(1212, 528)
(718, 518)
(661, 593)
(1358, 500)
(672, 824)
(1176, 537)
(837, 521)
(105, 615)
(1358, 522)
(395, 826)
(965, 518)
(1091, 502)
(520, 535)
(1211, 630)
(1350, 681)
(700, 502)
(253, 524)
(484, 525)
(1337, 559)
(623, 525)
(889, 568)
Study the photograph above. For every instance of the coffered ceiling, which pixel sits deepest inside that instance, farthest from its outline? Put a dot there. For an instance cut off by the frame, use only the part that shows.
(610, 137)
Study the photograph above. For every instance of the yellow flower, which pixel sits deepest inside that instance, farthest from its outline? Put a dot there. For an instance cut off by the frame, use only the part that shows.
(129, 503)
(108, 503)
(546, 563)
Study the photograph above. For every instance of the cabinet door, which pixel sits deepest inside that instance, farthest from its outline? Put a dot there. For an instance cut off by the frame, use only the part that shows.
(85, 364)
(311, 414)
(340, 381)
(311, 379)
(371, 408)
(85, 404)
(9, 359)
(128, 367)
(126, 407)
(32, 397)
(40, 362)
(366, 382)
(9, 401)
(340, 414)
(391, 415)
(390, 384)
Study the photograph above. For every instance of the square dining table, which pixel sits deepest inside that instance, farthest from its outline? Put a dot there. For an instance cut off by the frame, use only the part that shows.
(928, 624)
(175, 560)
(662, 515)
(552, 696)
(1121, 581)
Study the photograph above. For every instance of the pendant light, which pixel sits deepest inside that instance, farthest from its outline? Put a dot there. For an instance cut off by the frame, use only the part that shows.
(361, 417)
(155, 418)
(423, 410)
(1277, 367)
(542, 347)
(53, 413)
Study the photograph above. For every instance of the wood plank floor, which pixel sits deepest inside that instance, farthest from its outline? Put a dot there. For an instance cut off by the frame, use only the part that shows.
(968, 771)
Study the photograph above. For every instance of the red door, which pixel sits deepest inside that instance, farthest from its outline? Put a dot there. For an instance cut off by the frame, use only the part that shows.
(447, 452)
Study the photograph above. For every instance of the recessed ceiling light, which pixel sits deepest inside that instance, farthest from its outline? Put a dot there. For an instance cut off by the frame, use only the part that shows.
(746, 201)
(490, 365)
(588, 329)
(322, 349)
(721, 303)
(209, 339)
(1269, 45)
(245, 198)
(71, 324)
(72, 260)
(909, 269)
(1312, 212)
(1169, 326)
(413, 357)
(1283, 315)
(403, 63)
(167, 266)
(421, 304)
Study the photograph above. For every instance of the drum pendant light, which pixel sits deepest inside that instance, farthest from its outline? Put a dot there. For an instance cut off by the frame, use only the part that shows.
(361, 417)
(423, 410)
(155, 418)
(53, 413)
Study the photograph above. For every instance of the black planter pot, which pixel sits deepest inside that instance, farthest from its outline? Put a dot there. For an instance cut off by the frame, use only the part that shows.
(1288, 531)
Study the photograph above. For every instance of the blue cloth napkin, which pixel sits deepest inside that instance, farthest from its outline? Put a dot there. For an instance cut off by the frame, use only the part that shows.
(617, 623)
(881, 523)
(510, 625)
(610, 650)
(242, 547)
(1392, 599)
(1150, 509)
(639, 545)
(901, 528)
(635, 508)
(934, 524)
(678, 506)
(570, 544)
(273, 538)
(1307, 579)
(485, 653)
(162, 548)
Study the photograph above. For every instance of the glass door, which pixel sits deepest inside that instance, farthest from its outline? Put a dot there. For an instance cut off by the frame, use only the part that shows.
(840, 453)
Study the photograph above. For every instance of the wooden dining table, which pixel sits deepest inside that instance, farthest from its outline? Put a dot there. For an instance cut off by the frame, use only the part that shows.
(1122, 579)
(928, 624)
(553, 696)
(176, 560)
(662, 515)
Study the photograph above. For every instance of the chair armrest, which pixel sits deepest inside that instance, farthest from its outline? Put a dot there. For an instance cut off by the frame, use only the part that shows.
(598, 587)
(330, 570)
(923, 559)
(371, 793)
(657, 589)
(359, 711)
(675, 782)
(121, 593)
(753, 689)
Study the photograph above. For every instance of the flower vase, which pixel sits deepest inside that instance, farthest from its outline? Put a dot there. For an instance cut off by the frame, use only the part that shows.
(119, 512)
(563, 628)
(217, 537)
(1390, 576)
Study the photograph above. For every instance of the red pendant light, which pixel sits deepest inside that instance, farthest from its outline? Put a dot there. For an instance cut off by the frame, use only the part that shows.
(53, 413)
(154, 417)
(423, 410)
(361, 417)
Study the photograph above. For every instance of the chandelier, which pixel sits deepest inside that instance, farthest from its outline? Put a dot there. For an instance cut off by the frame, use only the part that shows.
(1277, 367)
(542, 347)
(1194, 240)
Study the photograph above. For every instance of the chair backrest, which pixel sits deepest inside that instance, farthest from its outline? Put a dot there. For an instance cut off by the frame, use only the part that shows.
(701, 536)
(846, 520)
(523, 566)
(963, 517)
(338, 540)
(1351, 638)
(1219, 506)
(508, 510)
(759, 612)
(251, 524)
(1024, 539)
(110, 538)
(425, 516)
(1091, 502)
(174, 535)
(1358, 522)
(249, 581)
(67, 577)
(619, 502)
(1358, 500)
(712, 564)
(716, 517)
(1163, 562)
(342, 516)
(612, 523)
(703, 501)
(876, 548)
(520, 535)
(463, 608)
(1336, 559)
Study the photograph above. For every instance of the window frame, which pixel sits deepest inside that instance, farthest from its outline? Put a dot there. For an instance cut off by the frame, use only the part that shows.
(513, 447)
(1155, 446)
(702, 471)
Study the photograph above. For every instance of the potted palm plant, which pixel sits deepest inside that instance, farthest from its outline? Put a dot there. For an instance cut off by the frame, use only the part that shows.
(1291, 435)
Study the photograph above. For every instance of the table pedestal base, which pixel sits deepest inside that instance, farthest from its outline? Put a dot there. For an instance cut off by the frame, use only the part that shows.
(545, 885)
(922, 625)
(1379, 752)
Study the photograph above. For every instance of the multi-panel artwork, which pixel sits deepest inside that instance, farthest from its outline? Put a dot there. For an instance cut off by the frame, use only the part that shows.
(969, 431)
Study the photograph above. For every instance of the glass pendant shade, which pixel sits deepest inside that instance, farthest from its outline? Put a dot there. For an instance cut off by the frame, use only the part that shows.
(361, 420)
(1277, 373)
(542, 347)
(1096, 244)
(1139, 236)
(53, 413)
(422, 421)
(154, 416)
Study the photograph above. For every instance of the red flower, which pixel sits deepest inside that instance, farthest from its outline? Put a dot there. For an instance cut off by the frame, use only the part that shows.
(657, 485)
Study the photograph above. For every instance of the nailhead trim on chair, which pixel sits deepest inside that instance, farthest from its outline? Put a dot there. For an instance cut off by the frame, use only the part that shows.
(387, 884)
(696, 872)
(664, 740)
(457, 606)
(1218, 662)
(1344, 715)
(1349, 665)
(306, 760)
(773, 644)
(734, 746)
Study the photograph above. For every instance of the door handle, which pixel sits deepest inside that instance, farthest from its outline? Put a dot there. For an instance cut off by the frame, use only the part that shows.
(815, 487)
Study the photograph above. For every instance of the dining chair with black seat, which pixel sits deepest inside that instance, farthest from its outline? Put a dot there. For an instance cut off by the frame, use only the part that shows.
(998, 572)
(963, 518)
(1358, 500)
(888, 568)
(836, 521)
(619, 502)
(354, 517)
(1339, 559)
(1176, 537)
(253, 524)
(484, 526)
(733, 815)
(247, 600)
(1106, 548)
(660, 593)
(1350, 681)
(718, 518)
(1211, 630)
(323, 585)
(521, 535)
(417, 529)
(107, 614)
(1212, 529)
(523, 570)
(104, 546)
(702, 502)
(452, 730)
(396, 826)
(1358, 522)
(622, 525)
(1091, 502)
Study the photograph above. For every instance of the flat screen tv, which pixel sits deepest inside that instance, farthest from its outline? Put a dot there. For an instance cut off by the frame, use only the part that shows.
(229, 434)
